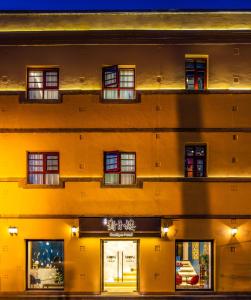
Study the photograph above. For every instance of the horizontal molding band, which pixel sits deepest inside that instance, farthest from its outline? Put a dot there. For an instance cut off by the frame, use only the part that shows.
(22, 180)
(124, 130)
(171, 217)
(144, 92)
(124, 37)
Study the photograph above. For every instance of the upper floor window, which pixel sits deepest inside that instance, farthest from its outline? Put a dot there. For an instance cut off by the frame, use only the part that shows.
(43, 84)
(118, 83)
(120, 168)
(195, 160)
(43, 168)
(196, 74)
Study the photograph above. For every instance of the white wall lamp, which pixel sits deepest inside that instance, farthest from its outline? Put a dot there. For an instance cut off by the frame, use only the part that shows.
(165, 230)
(165, 227)
(234, 231)
(74, 231)
(13, 230)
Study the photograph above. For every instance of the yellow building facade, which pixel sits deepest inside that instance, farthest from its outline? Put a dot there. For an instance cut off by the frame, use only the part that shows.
(125, 149)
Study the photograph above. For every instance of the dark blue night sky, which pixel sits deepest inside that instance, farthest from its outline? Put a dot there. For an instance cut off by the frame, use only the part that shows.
(125, 5)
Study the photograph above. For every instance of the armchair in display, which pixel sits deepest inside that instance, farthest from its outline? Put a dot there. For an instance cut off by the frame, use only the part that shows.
(194, 280)
(178, 279)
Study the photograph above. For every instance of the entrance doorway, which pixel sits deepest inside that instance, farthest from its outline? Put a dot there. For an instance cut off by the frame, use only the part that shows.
(120, 265)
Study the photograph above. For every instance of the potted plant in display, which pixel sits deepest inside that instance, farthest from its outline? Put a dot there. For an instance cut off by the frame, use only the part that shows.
(204, 263)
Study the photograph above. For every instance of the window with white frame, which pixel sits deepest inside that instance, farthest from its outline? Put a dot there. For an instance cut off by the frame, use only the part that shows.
(119, 168)
(118, 83)
(43, 84)
(43, 168)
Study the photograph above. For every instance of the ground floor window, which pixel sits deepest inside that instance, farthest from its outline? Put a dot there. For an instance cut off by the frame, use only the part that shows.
(45, 264)
(194, 263)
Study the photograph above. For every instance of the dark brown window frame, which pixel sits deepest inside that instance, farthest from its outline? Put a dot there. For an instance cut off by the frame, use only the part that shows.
(44, 165)
(55, 88)
(196, 71)
(117, 69)
(118, 169)
(212, 263)
(201, 157)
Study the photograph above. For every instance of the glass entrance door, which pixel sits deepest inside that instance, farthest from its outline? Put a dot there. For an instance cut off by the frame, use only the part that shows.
(120, 266)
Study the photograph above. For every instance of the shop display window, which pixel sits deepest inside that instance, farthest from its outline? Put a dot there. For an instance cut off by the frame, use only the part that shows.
(45, 268)
(194, 263)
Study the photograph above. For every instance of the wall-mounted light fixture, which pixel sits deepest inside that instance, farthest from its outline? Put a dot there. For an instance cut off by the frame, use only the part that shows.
(165, 230)
(165, 226)
(13, 230)
(74, 230)
(234, 231)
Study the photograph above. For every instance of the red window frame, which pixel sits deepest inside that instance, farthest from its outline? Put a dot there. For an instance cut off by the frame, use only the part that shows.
(44, 87)
(118, 169)
(117, 85)
(195, 159)
(196, 72)
(44, 165)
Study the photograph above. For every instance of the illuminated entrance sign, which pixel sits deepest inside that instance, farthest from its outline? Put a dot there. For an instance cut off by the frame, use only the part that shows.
(120, 227)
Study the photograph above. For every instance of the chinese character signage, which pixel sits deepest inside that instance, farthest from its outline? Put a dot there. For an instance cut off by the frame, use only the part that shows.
(120, 227)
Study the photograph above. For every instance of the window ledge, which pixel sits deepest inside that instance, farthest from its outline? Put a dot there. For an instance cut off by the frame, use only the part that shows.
(137, 185)
(42, 101)
(24, 100)
(24, 184)
(121, 101)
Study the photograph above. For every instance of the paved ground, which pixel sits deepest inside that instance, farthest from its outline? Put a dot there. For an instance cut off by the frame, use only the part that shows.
(78, 296)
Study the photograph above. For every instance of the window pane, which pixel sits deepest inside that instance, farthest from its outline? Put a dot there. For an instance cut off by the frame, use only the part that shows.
(194, 265)
(35, 79)
(200, 150)
(127, 162)
(52, 179)
(35, 94)
(201, 64)
(36, 178)
(51, 94)
(127, 94)
(52, 163)
(51, 79)
(45, 264)
(111, 162)
(126, 78)
(111, 178)
(195, 161)
(127, 178)
(111, 94)
(110, 77)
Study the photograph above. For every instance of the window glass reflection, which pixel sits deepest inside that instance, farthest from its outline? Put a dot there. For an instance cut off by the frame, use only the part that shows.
(194, 265)
(45, 264)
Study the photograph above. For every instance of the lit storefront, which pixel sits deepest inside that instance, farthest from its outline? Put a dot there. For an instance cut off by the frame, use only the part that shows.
(120, 239)
(45, 268)
(194, 262)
